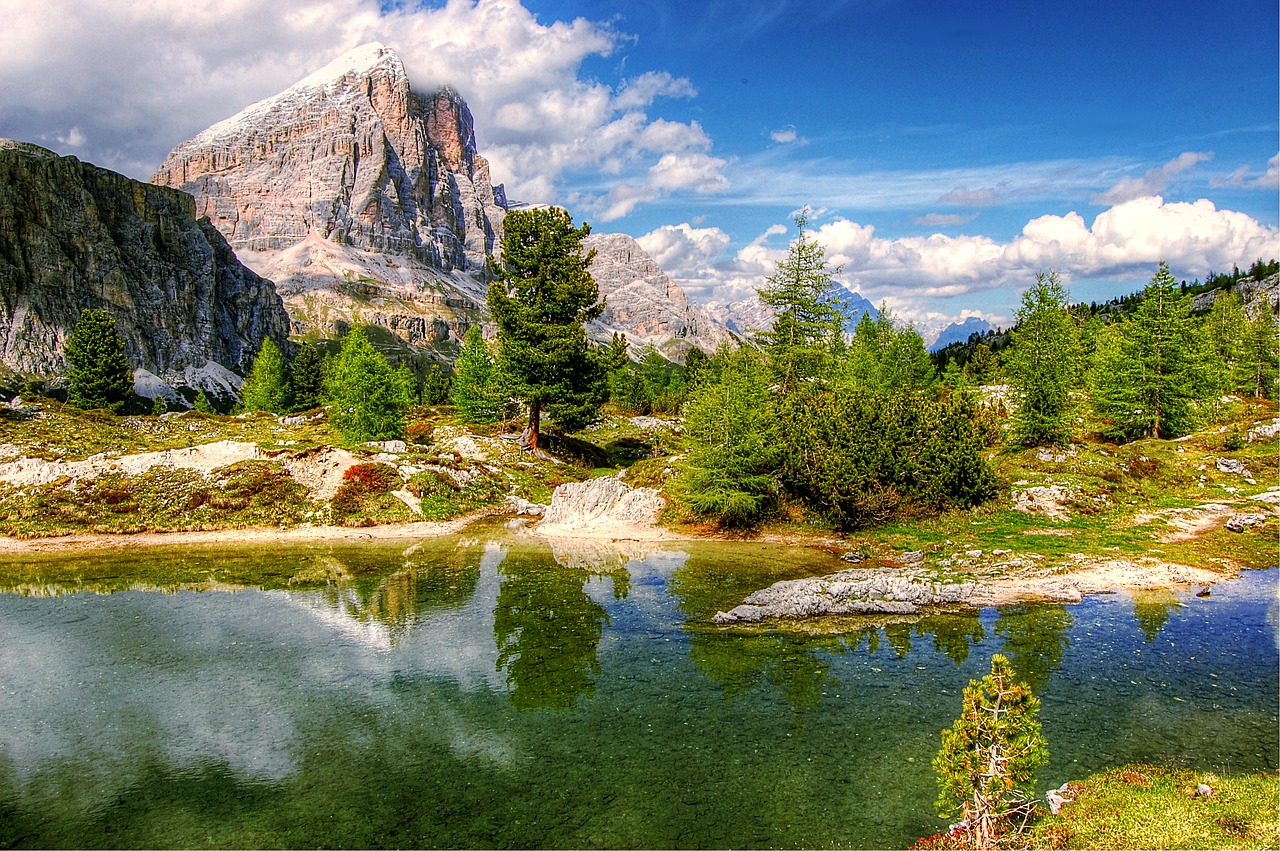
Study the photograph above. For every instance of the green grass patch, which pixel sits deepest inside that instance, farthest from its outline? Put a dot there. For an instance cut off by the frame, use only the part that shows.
(1142, 806)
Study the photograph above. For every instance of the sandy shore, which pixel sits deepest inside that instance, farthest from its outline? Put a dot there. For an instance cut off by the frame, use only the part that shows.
(296, 535)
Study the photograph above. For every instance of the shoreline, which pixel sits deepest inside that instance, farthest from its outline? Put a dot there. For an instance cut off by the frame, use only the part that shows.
(1088, 577)
(105, 541)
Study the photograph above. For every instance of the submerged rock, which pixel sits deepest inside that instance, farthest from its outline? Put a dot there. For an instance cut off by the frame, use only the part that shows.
(856, 591)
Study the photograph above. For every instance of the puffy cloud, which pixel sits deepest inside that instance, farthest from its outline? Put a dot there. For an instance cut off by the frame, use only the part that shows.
(788, 136)
(684, 247)
(1124, 242)
(1153, 181)
(119, 84)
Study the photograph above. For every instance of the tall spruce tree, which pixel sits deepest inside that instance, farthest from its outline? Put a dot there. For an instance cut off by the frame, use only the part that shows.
(368, 398)
(306, 379)
(97, 367)
(476, 390)
(1043, 363)
(265, 387)
(801, 294)
(1149, 376)
(540, 301)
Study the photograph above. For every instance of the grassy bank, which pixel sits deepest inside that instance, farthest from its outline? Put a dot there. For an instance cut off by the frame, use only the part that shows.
(1142, 806)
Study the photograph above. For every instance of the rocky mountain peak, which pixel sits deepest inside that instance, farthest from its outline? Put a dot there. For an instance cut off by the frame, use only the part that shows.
(353, 154)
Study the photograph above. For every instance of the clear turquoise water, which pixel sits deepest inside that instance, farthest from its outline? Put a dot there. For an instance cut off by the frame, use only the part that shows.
(486, 692)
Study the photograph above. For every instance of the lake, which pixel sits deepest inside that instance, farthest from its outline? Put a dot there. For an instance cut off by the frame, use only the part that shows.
(485, 690)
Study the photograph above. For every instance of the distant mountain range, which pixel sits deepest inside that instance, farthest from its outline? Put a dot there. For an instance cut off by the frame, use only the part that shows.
(959, 332)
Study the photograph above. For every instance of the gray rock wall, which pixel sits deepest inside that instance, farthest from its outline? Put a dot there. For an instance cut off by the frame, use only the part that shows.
(75, 236)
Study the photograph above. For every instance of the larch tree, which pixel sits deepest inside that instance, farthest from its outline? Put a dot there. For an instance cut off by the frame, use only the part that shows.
(1260, 356)
(801, 293)
(266, 385)
(97, 367)
(541, 299)
(1148, 380)
(1043, 363)
(986, 766)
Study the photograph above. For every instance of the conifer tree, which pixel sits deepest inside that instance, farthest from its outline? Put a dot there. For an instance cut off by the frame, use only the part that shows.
(983, 366)
(807, 314)
(541, 300)
(729, 471)
(369, 399)
(986, 766)
(265, 386)
(96, 365)
(306, 379)
(202, 403)
(1043, 363)
(476, 390)
(437, 387)
(1149, 377)
(1259, 360)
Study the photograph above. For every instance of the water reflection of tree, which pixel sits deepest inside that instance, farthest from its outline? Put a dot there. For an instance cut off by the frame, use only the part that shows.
(547, 629)
(799, 668)
(428, 581)
(1035, 640)
(1151, 608)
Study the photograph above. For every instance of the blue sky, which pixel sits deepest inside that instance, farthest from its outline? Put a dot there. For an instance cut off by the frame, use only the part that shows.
(949, 150)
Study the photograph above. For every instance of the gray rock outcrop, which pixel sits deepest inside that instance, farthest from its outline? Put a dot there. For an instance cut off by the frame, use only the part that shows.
(856, 591)
(601, 507)
(75, 236)
(645, 304)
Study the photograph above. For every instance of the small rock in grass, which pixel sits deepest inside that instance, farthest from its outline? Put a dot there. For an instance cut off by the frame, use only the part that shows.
(1240, 522)
(912, 557)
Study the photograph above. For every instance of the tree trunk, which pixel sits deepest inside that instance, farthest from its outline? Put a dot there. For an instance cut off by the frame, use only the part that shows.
(533, 432)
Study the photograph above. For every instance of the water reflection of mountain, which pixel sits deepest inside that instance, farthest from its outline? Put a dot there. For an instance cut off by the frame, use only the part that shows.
(547, 628)
(429, 581)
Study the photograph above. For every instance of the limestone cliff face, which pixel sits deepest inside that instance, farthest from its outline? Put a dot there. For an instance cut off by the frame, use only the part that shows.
(75, 236)
(351, 154)
(645, 304)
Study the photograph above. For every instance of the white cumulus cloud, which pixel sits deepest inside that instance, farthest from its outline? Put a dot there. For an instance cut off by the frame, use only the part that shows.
(1124, 243)
(119, 84)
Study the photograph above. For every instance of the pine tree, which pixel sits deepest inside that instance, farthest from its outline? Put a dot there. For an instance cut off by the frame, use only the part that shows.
(96, 365)
(986, 766)
(807, 313)
(1226, 337)
(476, 390)
(1043, 364)
(540, 301)
(202, 403)
(369, 399)
(306, 379)
(265, 387)
(1147, 382)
